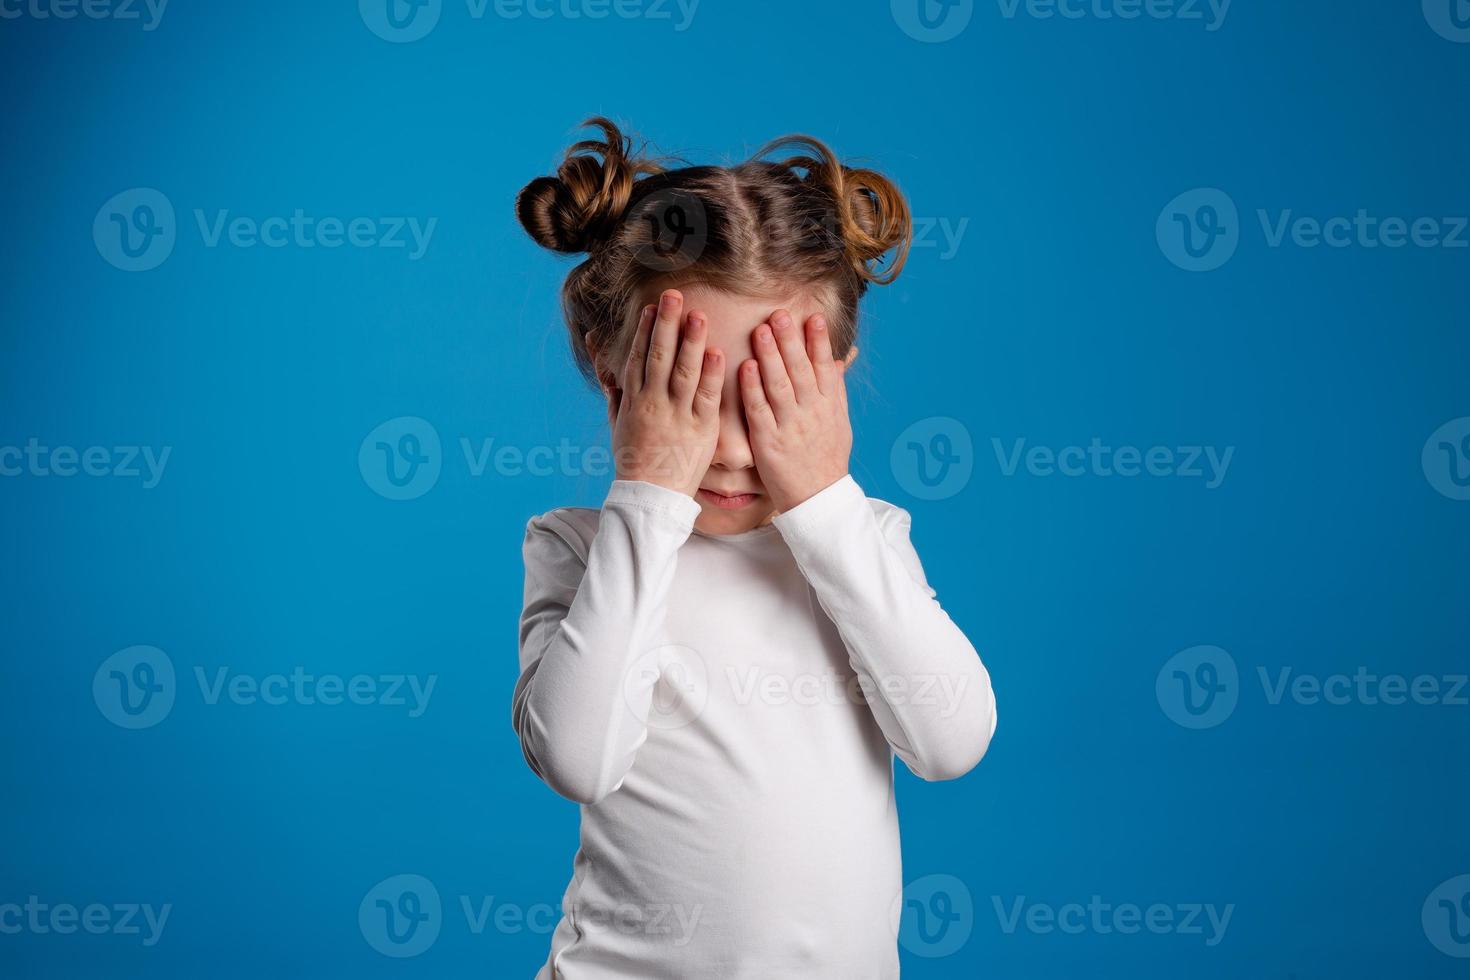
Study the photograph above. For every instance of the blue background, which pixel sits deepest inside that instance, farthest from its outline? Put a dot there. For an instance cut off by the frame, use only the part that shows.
(1058, 319)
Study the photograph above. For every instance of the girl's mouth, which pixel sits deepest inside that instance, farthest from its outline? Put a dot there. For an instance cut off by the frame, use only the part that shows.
(727, 501)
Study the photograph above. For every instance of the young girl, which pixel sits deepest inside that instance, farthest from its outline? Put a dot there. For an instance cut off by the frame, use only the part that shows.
(720, 664)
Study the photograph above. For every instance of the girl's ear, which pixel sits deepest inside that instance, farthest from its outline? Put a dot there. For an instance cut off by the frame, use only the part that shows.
(614, 397)
(606, 380)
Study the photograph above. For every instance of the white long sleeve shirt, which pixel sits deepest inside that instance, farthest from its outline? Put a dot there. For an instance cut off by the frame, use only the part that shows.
(726, 709)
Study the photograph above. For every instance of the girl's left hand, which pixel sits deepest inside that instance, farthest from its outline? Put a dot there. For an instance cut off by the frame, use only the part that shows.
(795, 397)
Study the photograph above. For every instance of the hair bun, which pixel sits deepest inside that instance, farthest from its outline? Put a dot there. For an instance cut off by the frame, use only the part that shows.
(879, 222)
(551, 217)
(872, 215)
(584, 202)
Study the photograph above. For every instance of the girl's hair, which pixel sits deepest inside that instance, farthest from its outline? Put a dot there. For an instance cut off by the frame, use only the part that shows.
(802, 223)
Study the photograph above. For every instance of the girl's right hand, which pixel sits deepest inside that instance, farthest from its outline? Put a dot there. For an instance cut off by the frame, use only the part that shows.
(668, 406)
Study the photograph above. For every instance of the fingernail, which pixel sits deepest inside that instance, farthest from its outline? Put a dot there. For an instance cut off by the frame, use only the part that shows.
(780, 321)
(646, 315)
(668, 300)
(763, 333)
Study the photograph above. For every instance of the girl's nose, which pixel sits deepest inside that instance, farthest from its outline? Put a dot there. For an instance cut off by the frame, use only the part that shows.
(732, 449)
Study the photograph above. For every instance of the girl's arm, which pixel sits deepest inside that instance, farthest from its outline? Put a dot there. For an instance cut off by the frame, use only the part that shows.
(925, 683)
(926, 686)
(593, 621)
(592, 612)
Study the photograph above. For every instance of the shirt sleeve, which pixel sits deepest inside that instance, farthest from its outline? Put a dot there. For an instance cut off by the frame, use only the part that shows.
(927, 687)
(593, 617)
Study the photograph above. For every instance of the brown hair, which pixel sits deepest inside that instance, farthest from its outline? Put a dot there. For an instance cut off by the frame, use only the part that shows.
(800, 222)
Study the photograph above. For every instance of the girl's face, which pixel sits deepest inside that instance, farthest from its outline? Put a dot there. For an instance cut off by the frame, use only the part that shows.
(731, 497)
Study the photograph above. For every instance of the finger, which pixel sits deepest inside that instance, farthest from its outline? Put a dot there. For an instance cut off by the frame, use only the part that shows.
(689, 364)
(758, 414)
(638, 352)
(819, 350)
(779, 393)
(793, 352)
(665, 341)
(711, 384)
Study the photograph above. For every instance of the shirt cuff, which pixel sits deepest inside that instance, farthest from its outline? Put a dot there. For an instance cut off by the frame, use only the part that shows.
(654, 499)
(823, 512)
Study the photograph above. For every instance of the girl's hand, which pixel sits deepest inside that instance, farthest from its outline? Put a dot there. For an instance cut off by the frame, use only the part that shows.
(668, 406)
(795, 397)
